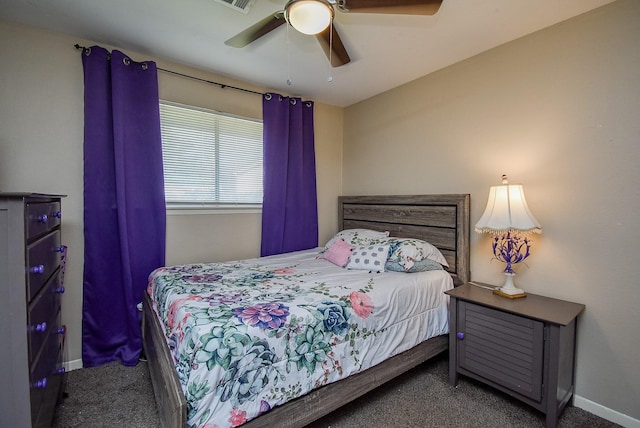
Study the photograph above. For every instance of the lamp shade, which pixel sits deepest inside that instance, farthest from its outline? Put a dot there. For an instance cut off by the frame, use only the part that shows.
(507, 210)
(309, 16)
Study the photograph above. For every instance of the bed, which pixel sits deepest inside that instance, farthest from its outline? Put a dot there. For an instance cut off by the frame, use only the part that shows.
(441, 220)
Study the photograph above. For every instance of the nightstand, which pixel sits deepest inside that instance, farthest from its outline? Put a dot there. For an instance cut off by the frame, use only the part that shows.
(524, 347)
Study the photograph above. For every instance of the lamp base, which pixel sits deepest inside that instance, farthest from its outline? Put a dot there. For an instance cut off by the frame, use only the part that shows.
(509, 296)
(508, 289)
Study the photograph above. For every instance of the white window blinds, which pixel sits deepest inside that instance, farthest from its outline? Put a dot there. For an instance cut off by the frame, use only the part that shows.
(210, 159)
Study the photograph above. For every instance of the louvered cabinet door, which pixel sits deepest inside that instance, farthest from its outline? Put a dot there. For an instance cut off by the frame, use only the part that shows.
(501, 347)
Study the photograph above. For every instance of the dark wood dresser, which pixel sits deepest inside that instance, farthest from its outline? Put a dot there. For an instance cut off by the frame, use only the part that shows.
(524, 347)
(31, 275)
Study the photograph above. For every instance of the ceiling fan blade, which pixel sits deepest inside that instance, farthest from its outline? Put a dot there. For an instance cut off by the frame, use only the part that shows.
(333, 49)
(402, 7)
(257, 30)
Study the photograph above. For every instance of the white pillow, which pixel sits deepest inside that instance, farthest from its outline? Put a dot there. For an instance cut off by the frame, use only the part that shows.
(369, 257)
(356, 237)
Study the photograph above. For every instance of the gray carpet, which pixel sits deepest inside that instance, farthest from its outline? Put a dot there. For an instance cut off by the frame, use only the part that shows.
(117, 396)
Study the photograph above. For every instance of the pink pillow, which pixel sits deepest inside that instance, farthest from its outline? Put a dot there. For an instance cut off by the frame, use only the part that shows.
(338, 253)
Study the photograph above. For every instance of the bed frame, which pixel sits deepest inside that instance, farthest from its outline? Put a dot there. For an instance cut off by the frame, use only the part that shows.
(442, 220)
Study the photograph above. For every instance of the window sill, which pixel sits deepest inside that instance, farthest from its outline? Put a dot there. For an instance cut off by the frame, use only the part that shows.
(187, 209)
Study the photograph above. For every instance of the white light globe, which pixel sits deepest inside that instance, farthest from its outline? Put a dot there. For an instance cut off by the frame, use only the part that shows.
(309, 16)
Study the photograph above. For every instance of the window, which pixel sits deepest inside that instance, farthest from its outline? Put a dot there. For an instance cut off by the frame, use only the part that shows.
(211, 159)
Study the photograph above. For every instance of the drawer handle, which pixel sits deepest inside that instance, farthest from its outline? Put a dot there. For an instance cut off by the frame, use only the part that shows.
(460, 335)
(40, 384)
(59, 290)
(61, 330)
(57, 214)
(40, 328)
(59, 249)
(61, 370)
(43, 218)
(37, 269)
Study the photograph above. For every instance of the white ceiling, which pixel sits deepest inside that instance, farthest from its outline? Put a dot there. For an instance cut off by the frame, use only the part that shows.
(386, 50)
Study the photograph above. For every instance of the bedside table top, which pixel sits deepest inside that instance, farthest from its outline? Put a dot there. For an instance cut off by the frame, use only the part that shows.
(546, 309)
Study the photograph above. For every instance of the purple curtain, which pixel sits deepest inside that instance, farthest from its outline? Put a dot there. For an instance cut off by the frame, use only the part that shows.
(124, 209)
(289, 208)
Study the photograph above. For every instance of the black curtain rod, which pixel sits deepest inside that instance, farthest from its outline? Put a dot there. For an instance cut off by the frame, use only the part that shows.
(211, 82)
(221, 85)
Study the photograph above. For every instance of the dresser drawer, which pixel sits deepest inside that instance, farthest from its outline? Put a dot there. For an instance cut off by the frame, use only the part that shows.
(43, 315)
(45, 379)
(43, 258)
(47, 407)
(42, 217)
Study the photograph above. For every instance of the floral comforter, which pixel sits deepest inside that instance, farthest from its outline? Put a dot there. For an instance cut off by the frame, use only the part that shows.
(250, 335)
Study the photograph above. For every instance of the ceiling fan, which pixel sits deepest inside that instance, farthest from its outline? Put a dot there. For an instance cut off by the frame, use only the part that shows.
(314, 17)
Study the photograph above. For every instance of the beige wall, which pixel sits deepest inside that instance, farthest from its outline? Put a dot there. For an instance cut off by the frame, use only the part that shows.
(41, 134)
(558, 111)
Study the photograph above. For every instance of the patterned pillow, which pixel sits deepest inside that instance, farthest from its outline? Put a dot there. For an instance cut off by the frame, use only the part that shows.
(419, 266)
(369, 257)
(338, 253)
(356, 236)
(407, 251)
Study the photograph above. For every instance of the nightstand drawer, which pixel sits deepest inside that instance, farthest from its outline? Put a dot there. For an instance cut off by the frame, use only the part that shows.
(501, 347)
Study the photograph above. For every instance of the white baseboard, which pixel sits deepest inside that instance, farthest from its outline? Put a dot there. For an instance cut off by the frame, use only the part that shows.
(72, 365)
(605, 412)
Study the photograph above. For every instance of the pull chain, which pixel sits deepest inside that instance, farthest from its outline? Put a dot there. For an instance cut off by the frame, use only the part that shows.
(288, 59)
(330, 77)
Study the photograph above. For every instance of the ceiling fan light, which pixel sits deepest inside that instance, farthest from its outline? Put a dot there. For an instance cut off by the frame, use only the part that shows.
(309, 16)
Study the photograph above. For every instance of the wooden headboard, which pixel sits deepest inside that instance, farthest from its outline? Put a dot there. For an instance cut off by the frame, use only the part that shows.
(442, 220)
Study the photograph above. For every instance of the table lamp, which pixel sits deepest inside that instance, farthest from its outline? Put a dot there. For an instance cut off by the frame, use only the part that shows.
(508, 219)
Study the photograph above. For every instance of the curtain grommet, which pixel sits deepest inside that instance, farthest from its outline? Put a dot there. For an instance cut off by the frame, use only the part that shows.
(126, 61)
(268, 96)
